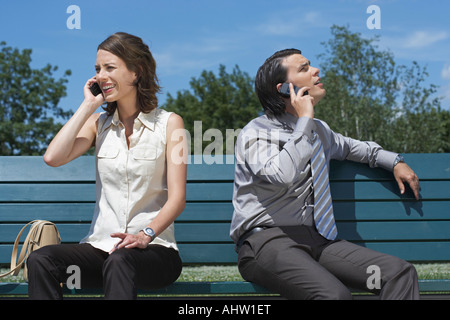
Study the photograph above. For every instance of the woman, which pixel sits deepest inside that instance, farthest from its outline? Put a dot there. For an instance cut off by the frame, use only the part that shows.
(141, 182)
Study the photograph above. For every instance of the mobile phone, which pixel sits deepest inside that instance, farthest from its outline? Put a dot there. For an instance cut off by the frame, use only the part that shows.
(95, 89)
(285, 92)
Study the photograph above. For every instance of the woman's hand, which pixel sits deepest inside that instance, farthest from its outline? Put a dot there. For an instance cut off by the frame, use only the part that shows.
(78, 135)
(94, 101)
(140, 240)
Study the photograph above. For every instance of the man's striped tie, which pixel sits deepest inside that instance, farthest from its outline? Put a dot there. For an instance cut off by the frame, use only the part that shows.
(323, 206)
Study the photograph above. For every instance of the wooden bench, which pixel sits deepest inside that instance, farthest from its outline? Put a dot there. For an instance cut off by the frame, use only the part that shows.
(369, 211)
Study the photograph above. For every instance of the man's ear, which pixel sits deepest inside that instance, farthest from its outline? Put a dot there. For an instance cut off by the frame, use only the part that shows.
(279, 87)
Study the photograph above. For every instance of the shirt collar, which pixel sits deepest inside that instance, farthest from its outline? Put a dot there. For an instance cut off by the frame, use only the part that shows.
(147, 119)
(287, 120)
(115, 118)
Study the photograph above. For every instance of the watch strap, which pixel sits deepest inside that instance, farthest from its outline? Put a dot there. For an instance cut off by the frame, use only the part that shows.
(398, 159)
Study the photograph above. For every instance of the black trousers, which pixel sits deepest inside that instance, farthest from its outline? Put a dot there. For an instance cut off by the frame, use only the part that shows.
(298, 263)
(120, 274)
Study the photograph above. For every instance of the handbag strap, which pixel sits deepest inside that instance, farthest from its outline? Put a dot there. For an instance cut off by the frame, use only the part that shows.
(16, 263)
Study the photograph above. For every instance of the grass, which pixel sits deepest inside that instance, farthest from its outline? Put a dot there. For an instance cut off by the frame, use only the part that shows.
(210, 273)
(428, 271)
(189, 274)
(231, 273)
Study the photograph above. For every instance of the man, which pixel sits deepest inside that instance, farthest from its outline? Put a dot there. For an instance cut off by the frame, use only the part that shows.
(283, 223)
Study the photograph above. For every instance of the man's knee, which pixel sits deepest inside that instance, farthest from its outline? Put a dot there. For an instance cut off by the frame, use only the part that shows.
(341, 293)
(253, 272)
(401, 282)
(406, 273)
(402, 269)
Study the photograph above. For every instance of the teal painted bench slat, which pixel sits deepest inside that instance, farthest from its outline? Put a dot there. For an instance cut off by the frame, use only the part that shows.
(368, 206)
(213, 288)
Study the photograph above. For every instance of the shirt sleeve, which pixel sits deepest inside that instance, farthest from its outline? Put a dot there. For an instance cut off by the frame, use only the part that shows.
(261, 151)
(345, 148)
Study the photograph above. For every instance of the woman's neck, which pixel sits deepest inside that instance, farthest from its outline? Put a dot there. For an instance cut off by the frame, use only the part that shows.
(128, 109)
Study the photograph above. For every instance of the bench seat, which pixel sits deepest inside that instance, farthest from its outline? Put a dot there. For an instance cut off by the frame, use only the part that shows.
(368, 207)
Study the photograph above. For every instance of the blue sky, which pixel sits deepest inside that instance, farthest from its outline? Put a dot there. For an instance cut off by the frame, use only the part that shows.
(188, 36)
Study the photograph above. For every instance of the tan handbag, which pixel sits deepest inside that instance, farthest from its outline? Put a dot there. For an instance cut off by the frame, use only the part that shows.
(42, 233)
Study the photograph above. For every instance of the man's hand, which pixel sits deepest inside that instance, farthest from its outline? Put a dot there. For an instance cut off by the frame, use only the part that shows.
(403, 173)
(303, 105)
(139, 240)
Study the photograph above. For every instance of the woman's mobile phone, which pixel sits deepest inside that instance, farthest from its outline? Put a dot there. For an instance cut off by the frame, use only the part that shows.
(285, 92)
(95, 89)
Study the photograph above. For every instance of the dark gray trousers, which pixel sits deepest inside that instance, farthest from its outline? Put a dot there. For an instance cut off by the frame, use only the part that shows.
(298, 263)
(120, 274)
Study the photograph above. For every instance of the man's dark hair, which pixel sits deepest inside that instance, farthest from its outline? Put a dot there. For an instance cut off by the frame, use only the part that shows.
(271, 73)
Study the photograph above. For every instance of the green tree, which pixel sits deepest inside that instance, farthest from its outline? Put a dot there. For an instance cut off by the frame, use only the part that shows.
(370, 97)
(226, 101)
(420, 124)
(28, 103)
(361, 83)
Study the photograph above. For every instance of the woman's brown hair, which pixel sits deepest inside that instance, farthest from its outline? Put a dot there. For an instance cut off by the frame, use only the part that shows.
(138, 58)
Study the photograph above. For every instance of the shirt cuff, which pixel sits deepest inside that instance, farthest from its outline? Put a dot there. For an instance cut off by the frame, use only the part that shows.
(385, 159)
(306, 126)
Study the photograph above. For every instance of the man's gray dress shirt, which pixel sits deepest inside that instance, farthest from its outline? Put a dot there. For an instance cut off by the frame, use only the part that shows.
(273, 185)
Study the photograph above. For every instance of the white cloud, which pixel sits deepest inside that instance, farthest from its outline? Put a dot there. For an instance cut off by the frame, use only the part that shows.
(422, 39)
(312, 17)
(445, 73)
(444, 92)
(196, 54)
(291, 24)
(276, 27)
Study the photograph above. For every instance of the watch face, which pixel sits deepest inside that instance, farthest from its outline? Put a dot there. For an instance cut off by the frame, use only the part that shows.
(149, 232)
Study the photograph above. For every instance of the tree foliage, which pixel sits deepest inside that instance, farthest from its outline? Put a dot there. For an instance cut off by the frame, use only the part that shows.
(28, 103)
(370, 97)
(223, 101)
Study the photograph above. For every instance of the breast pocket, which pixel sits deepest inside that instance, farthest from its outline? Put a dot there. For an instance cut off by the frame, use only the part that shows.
(144, 160)
(107, 159)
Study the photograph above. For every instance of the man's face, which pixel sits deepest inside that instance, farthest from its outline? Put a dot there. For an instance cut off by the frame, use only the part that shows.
(302, 74)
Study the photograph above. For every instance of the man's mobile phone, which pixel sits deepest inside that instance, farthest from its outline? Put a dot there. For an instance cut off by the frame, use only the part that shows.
(285, 92)
(95, 89)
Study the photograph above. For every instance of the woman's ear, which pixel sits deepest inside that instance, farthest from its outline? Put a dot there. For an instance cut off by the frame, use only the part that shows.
(136, 76)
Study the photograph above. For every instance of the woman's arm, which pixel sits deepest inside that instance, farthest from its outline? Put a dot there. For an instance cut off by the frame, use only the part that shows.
(78, 134)
(176, 158)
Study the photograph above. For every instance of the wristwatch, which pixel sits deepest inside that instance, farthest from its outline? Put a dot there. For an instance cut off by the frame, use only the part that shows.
(149, 232)
(398, 159)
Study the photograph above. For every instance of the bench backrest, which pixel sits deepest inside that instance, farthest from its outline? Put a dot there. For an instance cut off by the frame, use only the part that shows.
(369, 209)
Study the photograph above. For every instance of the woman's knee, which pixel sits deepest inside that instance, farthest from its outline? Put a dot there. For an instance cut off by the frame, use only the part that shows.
(40, 258)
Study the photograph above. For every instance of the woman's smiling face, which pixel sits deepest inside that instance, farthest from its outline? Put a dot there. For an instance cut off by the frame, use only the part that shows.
(113, 76)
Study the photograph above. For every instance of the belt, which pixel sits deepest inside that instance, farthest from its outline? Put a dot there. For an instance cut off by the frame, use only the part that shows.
(246, 235)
